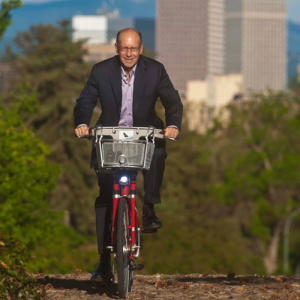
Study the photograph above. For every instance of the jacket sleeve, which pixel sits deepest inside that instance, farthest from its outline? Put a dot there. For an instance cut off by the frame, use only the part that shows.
(87, 101)
(170, 100)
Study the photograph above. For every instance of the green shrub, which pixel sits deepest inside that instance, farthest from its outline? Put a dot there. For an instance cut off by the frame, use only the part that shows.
(15, 282)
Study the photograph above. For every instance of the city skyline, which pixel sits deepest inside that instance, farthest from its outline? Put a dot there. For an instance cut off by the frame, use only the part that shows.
(50, 11)
(198, 39)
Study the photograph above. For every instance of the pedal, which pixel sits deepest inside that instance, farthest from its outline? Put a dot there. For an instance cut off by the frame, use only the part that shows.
(149, 230)
(139, 267)
(136, 267)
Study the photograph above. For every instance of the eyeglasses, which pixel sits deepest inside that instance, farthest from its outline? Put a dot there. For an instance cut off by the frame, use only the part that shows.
(131, 49)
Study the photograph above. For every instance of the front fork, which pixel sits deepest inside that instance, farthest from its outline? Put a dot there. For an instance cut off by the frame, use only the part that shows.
(127, 191)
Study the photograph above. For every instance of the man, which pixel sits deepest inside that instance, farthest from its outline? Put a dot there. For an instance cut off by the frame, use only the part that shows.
(128, 86)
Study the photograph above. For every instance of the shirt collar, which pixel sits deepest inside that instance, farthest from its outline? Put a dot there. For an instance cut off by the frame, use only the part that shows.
(131, 72)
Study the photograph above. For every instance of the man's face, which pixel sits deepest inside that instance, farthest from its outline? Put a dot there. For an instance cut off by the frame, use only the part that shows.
(129, 48)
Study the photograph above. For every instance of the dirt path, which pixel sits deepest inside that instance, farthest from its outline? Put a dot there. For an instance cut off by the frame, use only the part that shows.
(173, 287)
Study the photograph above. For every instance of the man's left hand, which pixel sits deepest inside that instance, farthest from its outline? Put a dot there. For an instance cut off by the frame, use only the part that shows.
(171, 132)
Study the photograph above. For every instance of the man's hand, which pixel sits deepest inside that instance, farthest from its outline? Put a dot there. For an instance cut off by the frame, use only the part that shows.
(171, 132)
(82, 131)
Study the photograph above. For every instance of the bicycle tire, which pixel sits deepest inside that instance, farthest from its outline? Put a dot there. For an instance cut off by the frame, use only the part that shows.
(123, 243)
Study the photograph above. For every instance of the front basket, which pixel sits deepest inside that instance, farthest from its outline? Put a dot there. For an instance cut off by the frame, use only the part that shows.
(135, 154)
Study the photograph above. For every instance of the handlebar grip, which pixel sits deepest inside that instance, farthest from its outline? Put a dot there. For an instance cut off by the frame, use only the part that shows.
(83, 136)
(87, 136)
(92, 131)
(159, 134)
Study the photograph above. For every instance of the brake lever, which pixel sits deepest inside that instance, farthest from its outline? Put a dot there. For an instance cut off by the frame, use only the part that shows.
(171, 139)
(86, 136)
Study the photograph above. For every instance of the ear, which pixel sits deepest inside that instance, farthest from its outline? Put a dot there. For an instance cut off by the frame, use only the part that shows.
(141, 48)
(116, 48)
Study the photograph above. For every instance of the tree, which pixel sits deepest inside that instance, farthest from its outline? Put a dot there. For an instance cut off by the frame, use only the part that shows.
(258, 161)
(5, 16)
(53, 64)
(27, 179)
(14, 281)
(233, 188)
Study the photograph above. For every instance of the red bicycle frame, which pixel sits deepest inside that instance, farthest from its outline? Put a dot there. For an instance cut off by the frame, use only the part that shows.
(128, 191)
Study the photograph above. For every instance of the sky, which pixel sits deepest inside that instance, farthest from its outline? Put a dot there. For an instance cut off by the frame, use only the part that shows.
(50, 11)
(294, 11)
(293, 6)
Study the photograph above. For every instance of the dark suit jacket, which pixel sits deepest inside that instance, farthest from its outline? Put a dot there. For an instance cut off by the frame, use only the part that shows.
(151, 82)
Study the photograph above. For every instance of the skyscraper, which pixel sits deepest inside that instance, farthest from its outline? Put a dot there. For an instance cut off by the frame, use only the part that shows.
(255, 42)
(199, 38)
(190, 38)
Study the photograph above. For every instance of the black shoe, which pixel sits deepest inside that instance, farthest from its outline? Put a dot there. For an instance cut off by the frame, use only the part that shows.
(151, 224)
(102, 278)
(150, 221)
(103, 272)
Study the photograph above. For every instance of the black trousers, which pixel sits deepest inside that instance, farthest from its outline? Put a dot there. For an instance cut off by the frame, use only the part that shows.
(103, 205)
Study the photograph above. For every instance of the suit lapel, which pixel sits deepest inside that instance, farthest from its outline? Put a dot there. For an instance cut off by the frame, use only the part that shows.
(139, 83)
(116, 82)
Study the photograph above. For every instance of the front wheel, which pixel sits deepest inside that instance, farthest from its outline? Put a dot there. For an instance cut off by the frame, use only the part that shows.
(123, 249)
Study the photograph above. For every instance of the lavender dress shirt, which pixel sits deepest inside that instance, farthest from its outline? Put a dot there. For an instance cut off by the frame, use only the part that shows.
(126, 118)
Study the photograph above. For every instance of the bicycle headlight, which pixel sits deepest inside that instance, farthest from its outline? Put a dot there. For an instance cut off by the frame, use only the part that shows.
(122, 159)
(123, 180)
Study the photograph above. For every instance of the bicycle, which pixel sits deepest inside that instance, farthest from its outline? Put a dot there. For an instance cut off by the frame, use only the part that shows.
(125, 151)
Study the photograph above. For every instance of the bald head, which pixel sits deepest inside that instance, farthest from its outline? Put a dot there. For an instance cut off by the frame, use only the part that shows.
(130, 31)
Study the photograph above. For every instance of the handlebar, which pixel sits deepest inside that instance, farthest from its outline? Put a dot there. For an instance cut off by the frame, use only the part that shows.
(136, 131)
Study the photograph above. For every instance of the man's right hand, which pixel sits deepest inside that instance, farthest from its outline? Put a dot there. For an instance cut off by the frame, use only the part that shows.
(82, 130)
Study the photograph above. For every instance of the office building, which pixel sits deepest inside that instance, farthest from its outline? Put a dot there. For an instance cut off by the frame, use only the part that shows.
(190, 38)
(200, 38)
(206, 99)
(255, 43)
(103, 28)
